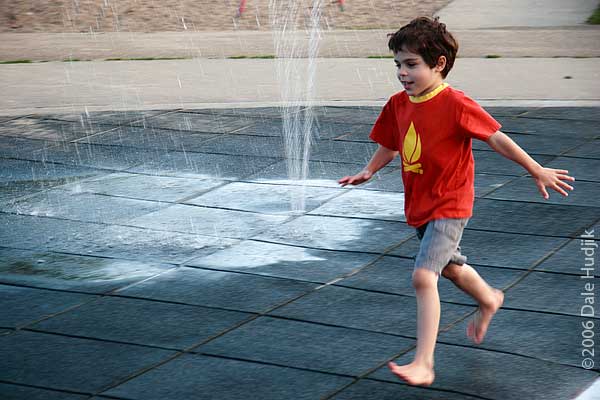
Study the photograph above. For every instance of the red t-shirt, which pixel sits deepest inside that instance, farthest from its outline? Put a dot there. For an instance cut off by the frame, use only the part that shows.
(433, 135)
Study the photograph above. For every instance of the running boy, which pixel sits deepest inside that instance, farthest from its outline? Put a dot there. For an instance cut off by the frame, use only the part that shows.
(431, 125)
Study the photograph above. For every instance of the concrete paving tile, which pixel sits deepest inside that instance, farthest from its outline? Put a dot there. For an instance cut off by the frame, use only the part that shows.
(172, 326)
(334, 233)
(394, 275)
(151, 138)
(536, 144)
(147, 187)
(68, 363)
(490, 162)
(538, 292)
(204, 166)
(495, 249)
(570, 113)
(284, 261)
(531, 218)
(21, 305)
(240, 292)
(500, 376)
(584, 169)
(588, 150)
(16, 392)
(324, 174)
(216, 378)
(82, 206)
(524, 188)
(347, 152)
(257, 146)
(550, 127)
(362, 309)
(568, 259)
(193, 122)
(368, 204)
(305, 345)
(46, 129)
(49, 270)
(367, 389)
(208, 221)
(264, 198)
(548, 337)
(99, 156)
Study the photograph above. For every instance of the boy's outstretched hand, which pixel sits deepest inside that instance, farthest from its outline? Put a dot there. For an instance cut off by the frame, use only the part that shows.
(554, 179)
(357, 179)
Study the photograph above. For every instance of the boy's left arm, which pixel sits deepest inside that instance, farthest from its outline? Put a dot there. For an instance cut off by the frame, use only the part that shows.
(544, 177)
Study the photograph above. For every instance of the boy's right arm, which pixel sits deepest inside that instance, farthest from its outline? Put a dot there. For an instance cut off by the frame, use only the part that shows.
(380, 159)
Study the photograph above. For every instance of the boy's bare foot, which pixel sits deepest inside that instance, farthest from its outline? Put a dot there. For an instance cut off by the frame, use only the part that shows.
(478, 326)
(413, 374)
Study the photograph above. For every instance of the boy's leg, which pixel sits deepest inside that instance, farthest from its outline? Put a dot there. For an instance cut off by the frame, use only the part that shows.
(420, 371)
(489, 299)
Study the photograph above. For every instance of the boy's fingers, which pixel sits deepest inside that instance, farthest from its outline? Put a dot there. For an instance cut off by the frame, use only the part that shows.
(559, 190)
(543, 191)
(565, 185)
(566, 177)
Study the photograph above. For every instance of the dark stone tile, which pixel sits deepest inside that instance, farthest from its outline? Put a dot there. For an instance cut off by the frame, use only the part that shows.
(305, 345)
(394, 275)
(484, 183)
(531, 218)
(99, 156)
(319, 173)
(151, 138)
(548, 337)
(571, 113)
(215, 378)
(362, 309)
(490, 162)
(524, 188)
(538, 292)
(346, 152)
(262, 127)
(68, 363)
(205, 166)
(344, 131)
(536, 144)
(246, 112)
(208, 221)
(569, 259)
(21, 305)
(334, 233)
(147, 187)
(229, 290)
(588, 150)
(284, 261)
(103, 117)
(22, 148)
(82, 206)
(70, 272)
(350, 115)
(550, 127)
(264, 198)
(368, 204)
(193, 122)
(172, 326)
(498, 112)
(368, 389)
(495, 248)
(6, 118)
(494, 375)
(47, 129)
(15, 392)
(585, 169)
(387, 179)
(13, 171)
(257, 146)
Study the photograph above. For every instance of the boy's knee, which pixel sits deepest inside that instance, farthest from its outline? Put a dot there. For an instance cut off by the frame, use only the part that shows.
(422, 278)
(451, 271)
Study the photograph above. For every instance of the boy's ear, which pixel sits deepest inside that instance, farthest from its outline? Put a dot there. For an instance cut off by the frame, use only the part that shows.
(441, 64)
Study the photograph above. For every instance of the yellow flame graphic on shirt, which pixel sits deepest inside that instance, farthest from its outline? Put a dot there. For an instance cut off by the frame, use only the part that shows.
(411, 151)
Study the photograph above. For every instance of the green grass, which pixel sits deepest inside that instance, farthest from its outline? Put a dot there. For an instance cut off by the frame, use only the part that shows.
(387, 56)
(493, 56)
(16, 62)
(145, 58)
(594, 19)
(266, 56)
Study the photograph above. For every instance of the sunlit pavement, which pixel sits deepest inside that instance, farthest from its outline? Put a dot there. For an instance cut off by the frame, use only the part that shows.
(153, 255)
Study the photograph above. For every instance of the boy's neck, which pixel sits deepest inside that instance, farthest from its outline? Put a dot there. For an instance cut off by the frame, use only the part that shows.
(429, 94)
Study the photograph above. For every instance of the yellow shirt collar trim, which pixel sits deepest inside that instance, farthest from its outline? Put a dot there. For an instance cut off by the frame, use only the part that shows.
(430, 95)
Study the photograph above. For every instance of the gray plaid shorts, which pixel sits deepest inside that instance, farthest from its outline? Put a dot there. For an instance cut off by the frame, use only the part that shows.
(440, 241)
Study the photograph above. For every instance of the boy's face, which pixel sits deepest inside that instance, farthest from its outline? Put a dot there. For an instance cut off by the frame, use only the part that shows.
(415, 75)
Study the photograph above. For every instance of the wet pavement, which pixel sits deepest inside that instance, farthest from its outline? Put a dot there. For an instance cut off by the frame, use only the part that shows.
(152, 255)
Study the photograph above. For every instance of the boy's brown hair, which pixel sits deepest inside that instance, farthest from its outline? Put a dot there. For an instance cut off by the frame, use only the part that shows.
(428, 38)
